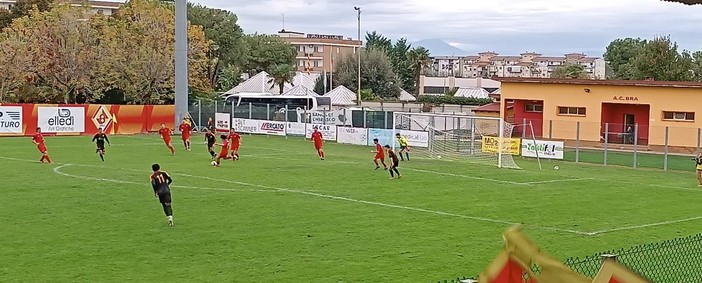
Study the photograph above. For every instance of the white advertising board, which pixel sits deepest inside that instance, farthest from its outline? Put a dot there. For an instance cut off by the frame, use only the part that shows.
(358, 136)
(61, 119)
(259, 126)
(416, 138)
(328, 131)
(296, 129)
(545, 149)
(222, 122)
(10, 119)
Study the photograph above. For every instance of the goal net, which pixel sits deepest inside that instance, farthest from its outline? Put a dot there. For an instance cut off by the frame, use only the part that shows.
(458, 137)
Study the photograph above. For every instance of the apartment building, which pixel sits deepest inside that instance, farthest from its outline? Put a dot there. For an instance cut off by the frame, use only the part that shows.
(444, 66)
(317, 52)
(527, 65)
(98, 7)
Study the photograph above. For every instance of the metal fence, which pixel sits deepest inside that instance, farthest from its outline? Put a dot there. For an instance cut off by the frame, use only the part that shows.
(631, 145)
(678, 260)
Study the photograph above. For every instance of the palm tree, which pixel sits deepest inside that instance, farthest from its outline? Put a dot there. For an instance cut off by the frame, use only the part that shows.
(419, 60)
(281, 74)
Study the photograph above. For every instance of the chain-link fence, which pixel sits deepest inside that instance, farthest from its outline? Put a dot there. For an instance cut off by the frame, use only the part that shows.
(677, 260)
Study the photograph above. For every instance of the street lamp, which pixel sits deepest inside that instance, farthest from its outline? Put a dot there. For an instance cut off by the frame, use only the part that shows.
(358, 52)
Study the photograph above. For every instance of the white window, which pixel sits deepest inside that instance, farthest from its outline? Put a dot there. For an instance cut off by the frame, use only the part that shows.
(576, 111)
(534, 108)
(678, 116)
(319, 49)
(337, 50)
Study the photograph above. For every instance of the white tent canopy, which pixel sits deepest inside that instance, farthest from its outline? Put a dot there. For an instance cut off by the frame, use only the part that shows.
(261, 83)
(406, 96)
(300, 90)
(341, 96)
(475, 92)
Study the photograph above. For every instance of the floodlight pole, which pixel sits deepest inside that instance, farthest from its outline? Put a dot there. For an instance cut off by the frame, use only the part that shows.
(358, 53)
(181, 60)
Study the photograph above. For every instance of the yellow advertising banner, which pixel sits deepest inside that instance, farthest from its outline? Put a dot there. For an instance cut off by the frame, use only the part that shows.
(509, 145)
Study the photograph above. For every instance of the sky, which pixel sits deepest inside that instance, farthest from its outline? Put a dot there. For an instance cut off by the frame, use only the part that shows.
(509, 27)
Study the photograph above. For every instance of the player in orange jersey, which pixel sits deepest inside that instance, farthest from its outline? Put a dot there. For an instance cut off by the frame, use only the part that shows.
(165, 133)
(224, 152)
(379, 155)
(318, 141)
(38, 139)
(185, 130)
(234, 143)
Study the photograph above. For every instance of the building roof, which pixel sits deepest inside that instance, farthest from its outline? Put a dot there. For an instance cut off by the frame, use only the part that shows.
(256, 84)
(686, 2)
(492, 107)
(601, 82)
(406, 96)
(341, 96)
(300, 90)
(475, 92)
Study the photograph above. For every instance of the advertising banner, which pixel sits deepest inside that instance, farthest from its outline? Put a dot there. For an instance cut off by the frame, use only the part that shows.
(509, 145)
(296, 129)
(416, 138)
(61, 119)
(10, 119)
(357, 136)
(258, 126)
(222, 122)
(328, 131)
(545, 149)
(384, 136)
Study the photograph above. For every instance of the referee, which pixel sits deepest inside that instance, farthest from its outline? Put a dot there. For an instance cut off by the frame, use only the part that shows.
(404, 146)
(698, 161)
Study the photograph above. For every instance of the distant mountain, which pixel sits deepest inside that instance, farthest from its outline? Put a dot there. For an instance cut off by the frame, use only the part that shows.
(439, 47)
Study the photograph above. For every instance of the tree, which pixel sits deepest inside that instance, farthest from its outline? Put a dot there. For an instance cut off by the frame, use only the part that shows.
(265, 52)
(419, 60)
(228, 46)
(138, 40)
(375, 40)
(660, 60)
(280, 75)
(570, 71)
(13, 47)
(319, 86)
(697, 66)
(22, 8)
(399, 56)
(377, 73)
(229, 77)
(62, 50)
(620, 55)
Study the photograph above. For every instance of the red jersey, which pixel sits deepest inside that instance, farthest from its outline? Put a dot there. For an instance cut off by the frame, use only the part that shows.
(379, 150)
(317, 137)
(165, 134)
(236, 139)
(185, 129)
(225, 148)
(38, 138)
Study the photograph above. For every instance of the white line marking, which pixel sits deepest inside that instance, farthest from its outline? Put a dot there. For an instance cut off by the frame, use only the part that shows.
(557, 181)
(636, 227)
(79, 146)
(465, 176)
(57, 170)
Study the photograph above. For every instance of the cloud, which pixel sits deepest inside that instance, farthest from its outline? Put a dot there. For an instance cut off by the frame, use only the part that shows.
(508, 26)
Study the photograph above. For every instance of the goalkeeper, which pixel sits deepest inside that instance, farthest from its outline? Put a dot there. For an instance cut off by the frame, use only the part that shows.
(404, 146)
(698, 166)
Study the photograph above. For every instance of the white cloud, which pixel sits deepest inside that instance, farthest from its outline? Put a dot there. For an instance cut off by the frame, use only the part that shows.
(507, 26)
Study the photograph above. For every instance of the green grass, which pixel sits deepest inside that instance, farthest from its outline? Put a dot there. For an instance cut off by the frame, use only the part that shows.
(282, 215)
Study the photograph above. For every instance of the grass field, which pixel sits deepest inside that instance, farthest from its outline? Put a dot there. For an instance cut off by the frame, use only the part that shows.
(281, 215)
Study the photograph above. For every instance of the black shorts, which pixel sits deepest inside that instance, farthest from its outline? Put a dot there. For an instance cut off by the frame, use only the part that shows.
(165, 197)
(403, 148)
(210, 146)
(101, 147)
(395, 164)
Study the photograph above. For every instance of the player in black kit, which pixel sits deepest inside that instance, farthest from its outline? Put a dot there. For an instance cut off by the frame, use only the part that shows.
(160, 182)
(210, 140)
(100, 138)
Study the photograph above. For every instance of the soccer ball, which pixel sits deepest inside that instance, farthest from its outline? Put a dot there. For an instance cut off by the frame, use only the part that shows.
(214, 163)
(438, 156)
(556, 167)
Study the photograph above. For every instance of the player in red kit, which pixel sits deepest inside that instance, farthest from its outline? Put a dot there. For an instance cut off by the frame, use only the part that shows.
(166, 136)
(318, 141)
(379, 155)
(38, 139)
(185, 130)
(235, 142)
(224, 152)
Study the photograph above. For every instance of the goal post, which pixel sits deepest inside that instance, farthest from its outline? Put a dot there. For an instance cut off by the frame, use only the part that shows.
(486, 140)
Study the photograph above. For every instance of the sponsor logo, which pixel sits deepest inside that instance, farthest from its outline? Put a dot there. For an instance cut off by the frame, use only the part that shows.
(63, 118)
(11, 120)
(102, 118)
(273, 127)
